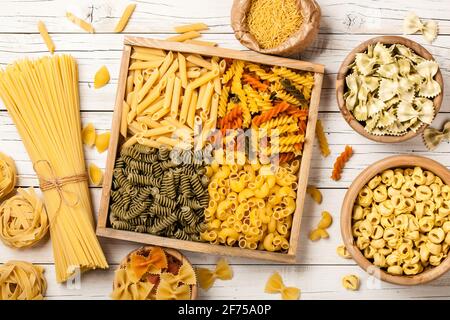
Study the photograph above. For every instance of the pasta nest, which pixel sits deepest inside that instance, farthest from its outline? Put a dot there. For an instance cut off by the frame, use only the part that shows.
(23, 219)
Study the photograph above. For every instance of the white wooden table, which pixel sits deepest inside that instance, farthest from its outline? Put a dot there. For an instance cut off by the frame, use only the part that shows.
(344, 25)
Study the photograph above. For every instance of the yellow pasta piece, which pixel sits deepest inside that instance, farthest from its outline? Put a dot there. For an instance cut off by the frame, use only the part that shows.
(123, 21)
(314, 193)
(88, 135)
(321, 137)
(101, 77)
(326, 220)
(46, 37)
(23, 219)
(95, 175)
(343, 252)
(351, 282)
(206, 277)
(86, 26)
(184, 36)
(275, 285)
(102, 142)
(318, 234)
(20, 280)
(191, 27)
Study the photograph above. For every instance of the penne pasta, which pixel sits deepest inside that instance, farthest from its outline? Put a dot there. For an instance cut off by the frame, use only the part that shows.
(192, 108)
(185, 104)
(184, 36)
(175, 98)
(204, 79)
(129, 85)
(123, 21)
(148, 142)
(183, 72)
(158, 131)
(124, 122)
(193, 74)
(149, 122)
(214, 109)
(206, 99)
(191, 27)
(166, 64)
(146, 56)
(152, 96)
(148, 85)
(46, 37)
(169, 91)
(86, 26)
(172, 69)
(199, 61)
(146, 65)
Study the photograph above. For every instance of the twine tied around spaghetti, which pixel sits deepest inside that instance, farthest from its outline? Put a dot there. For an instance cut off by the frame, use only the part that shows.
(57, 183)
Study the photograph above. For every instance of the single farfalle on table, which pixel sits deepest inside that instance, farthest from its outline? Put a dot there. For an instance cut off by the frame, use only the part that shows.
(206, 277)
(275, 285)
(389, 89)
(432, 137)
(412, 24)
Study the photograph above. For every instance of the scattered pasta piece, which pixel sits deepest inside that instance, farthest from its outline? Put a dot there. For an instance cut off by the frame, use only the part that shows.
(206, 277)
(46, 37)
(88, 135)
(433, 137)
(314, 193)
(191, 27)
(322, 138)
(326, 220)
(318, 234)
(343, 252)
(101, 77)
(7, 175)
(351, 282)
(23, 219)
(340, 163)
(184, 36)
(86, 26)
(95, 175)
(102, 141)
(275, 285)
(20, 280)
(412, 24)
(122, 23)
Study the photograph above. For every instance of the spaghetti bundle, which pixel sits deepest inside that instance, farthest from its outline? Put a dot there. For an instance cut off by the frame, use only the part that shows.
(42, 98)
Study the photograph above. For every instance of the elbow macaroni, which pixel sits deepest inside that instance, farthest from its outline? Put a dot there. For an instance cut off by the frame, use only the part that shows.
(251, 205)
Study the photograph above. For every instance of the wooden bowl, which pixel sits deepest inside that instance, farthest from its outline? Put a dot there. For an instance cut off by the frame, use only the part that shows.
(347, 208)
(172, 252)
(341, 86)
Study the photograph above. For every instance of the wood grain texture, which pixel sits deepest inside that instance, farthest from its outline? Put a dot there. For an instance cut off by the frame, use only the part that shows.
(347, 210)
(341, 87)
(345, 24)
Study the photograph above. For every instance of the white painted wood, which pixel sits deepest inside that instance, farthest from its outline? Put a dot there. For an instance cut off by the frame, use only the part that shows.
(344, 25)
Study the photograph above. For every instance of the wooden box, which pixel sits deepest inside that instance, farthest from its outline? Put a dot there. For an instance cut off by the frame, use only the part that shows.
(103, 227)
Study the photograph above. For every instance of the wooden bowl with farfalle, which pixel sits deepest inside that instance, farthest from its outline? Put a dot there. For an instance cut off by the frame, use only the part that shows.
(173, 261)
(379, 266)
(377, 107)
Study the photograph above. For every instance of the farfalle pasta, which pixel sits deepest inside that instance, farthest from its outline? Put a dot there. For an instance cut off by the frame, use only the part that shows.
(275, 285)
(412, 24)
(401, 220)
(390, 89)
(206, 277)
(433, 137)
(152, 273)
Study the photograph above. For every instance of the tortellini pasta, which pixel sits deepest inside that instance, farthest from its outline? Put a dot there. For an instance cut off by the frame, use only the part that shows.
(390, 90)
(401, 221)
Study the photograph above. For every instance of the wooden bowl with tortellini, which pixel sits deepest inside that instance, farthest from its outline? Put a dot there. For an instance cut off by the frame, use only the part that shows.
(395, 219)
(389, 89)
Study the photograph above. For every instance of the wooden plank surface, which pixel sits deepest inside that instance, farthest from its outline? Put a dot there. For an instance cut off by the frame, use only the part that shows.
(345, 24)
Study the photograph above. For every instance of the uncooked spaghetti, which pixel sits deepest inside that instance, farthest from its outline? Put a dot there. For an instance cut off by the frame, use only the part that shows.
(272, 22)
(42, 98)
